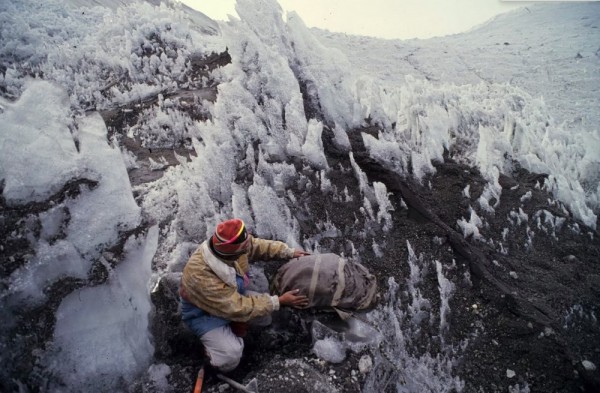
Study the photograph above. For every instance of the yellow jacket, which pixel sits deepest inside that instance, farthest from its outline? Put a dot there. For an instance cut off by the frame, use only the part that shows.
(210, 283)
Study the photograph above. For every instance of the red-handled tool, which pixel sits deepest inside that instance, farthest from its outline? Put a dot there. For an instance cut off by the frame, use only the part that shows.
(199, 380)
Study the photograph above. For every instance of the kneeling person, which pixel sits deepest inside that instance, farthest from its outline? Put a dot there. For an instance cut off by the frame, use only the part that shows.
(213, 289)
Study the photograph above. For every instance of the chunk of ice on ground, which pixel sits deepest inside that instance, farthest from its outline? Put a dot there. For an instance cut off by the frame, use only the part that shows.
(101, 334)
(365, 364)
(330, 350)
(589, 366)
(158, 375)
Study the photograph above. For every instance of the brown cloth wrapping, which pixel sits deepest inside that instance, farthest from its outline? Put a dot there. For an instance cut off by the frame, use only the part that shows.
(328, 280)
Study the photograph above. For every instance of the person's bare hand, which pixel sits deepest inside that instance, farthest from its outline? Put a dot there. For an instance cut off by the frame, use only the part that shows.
(292, 299)
(300, 253)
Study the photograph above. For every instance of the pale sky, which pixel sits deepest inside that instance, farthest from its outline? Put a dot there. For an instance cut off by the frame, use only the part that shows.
(380, 18)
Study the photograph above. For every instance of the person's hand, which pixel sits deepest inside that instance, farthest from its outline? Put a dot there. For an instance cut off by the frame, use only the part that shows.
(300, 253)
(292, 299)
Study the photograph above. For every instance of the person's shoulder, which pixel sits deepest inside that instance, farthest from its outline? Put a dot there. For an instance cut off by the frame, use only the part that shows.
(197, 259)
(198, 268)
(260, 239)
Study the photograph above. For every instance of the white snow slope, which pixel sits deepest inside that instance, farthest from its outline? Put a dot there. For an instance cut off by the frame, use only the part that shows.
(522, 89)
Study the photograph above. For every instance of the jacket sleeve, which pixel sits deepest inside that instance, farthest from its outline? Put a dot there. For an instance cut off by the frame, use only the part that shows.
(208, 292)
(266, 250)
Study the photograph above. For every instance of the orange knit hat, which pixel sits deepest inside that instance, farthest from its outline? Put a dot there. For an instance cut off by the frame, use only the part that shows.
(230, 238)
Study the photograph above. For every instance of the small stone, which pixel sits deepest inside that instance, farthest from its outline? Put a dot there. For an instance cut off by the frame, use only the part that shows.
(570, 258)
(331, 372)
(223, 387)
(474, 306)
(301, 373)
(510, 373)
(353, 373)
(513, 275)
(589, 366)
(530, 325)
(495, 342)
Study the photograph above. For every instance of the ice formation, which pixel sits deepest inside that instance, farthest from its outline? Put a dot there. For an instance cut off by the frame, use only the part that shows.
(384, 205)
(95, 218)
(331, 345)
(43, 137)
(313, 145)
(472, 226)
(446, 288)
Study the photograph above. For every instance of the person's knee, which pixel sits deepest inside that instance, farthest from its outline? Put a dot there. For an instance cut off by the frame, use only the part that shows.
(223, 348)
(230, 357)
